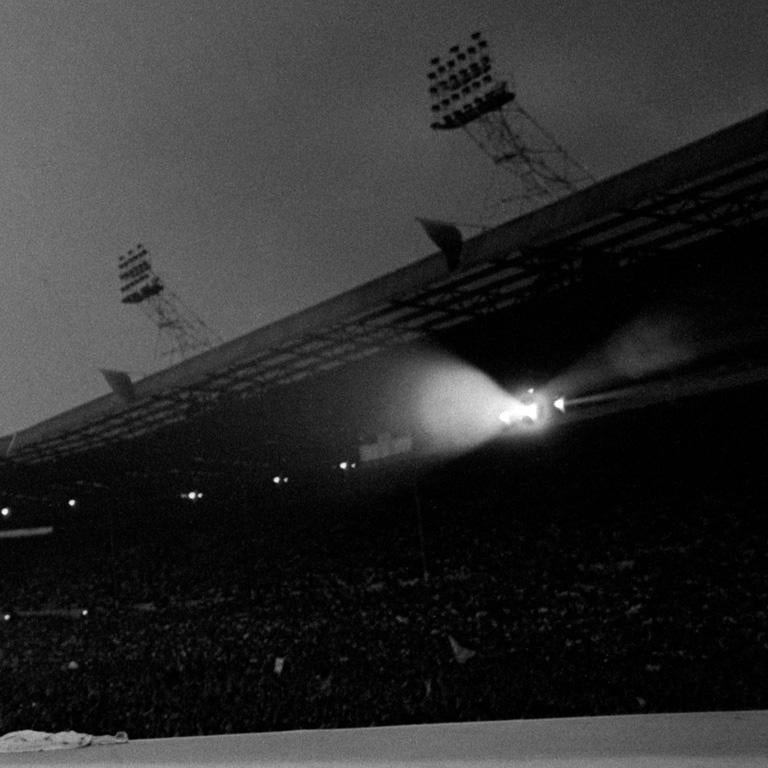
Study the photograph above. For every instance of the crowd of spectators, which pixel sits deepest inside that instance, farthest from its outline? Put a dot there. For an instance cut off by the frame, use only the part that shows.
(533, 605)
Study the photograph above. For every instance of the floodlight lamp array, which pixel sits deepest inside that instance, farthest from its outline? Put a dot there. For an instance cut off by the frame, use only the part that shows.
(137, 280)
(462, 86)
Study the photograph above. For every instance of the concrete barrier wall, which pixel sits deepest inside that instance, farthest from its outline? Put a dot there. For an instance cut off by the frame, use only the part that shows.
(704, 740)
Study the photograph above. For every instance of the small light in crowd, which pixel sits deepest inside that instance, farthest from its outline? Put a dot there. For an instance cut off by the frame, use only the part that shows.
(84, 612)
(72, 503)
(6, 617)
(5, 511)
(192, 495)
(344, 465)
(277, 480)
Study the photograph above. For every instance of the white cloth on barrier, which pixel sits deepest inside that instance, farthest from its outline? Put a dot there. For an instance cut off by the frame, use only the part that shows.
(39, 741)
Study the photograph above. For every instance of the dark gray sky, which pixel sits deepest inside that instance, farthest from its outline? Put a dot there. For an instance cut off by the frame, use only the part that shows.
(274, 153)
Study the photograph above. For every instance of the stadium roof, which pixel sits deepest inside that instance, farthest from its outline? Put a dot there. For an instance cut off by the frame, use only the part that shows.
(715, 185)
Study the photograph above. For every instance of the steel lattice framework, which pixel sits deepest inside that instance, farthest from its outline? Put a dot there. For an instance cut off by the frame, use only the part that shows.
(466, 93)
(650, 214)
(180, 332)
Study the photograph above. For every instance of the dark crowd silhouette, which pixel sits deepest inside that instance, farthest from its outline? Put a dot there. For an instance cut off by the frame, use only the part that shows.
(576, 600)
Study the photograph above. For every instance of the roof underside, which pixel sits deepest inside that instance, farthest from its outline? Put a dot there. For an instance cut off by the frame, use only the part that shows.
(652, 212)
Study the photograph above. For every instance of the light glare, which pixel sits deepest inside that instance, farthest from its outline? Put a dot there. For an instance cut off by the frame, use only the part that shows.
(520, 412)
(456, 406)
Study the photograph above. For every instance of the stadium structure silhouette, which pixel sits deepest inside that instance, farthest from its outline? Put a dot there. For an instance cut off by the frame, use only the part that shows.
(244, 570)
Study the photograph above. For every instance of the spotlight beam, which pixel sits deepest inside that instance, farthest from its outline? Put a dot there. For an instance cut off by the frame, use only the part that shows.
(652, 393)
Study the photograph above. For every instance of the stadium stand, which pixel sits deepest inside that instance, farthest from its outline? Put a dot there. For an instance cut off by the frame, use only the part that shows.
(616, 569)
(607, 593)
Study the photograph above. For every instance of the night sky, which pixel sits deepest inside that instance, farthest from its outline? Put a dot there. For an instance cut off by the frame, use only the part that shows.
(272, 154)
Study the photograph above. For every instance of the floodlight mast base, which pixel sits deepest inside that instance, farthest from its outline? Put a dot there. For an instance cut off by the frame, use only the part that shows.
(541, 169)
(180, 332)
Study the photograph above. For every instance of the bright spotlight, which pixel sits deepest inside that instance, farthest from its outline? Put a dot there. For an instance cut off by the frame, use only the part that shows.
(528, 411)
(72, 503)
(521, 411)
(277, 480)
(84, 612)
(6, 617)
(5, 511)
(344, 465)
(560, 404)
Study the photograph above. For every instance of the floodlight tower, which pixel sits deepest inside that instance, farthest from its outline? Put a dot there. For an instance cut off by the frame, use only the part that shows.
(466, 94)
(180, 332)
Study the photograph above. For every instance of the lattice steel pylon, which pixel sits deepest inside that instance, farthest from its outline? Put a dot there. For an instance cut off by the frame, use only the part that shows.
(180, 332)
(466, 94)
